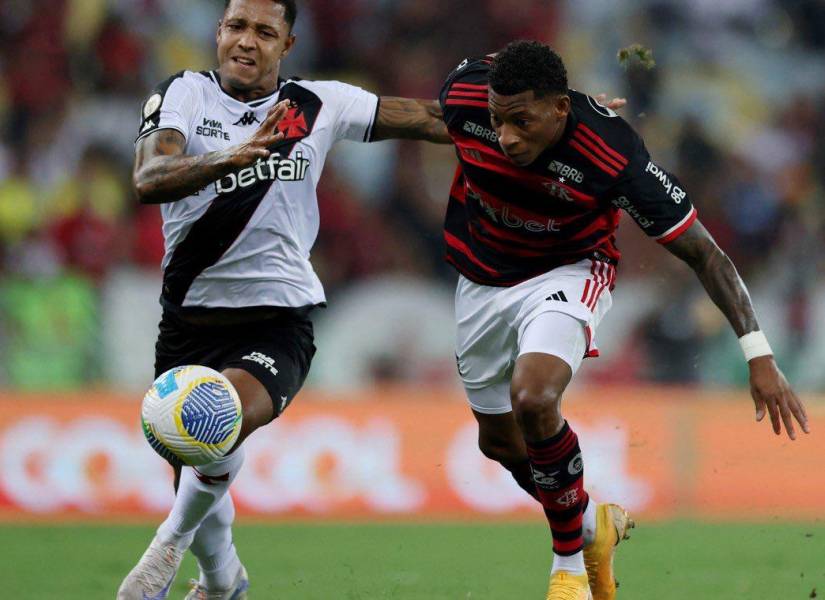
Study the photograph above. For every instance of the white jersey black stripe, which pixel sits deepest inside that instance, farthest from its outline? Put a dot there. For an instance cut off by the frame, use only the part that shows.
(245, 240)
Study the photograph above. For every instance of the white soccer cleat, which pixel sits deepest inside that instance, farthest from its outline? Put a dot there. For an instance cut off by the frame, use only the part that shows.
(237, 591)
(153, 575)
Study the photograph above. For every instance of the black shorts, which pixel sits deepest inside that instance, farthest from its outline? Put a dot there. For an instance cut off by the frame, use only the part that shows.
(277, 350)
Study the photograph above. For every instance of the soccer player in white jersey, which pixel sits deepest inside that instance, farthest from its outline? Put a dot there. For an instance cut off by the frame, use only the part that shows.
(233, 157)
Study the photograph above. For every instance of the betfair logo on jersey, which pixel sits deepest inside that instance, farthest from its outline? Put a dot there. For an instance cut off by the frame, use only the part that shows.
(274, 168)
(212, 129)
(677, 194)
(566, 171)
(479, 131)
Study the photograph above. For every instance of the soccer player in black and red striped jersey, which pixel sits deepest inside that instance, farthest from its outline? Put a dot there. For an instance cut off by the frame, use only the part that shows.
(544, 173)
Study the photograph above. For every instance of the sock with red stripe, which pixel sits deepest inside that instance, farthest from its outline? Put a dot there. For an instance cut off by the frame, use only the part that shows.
(558, 471)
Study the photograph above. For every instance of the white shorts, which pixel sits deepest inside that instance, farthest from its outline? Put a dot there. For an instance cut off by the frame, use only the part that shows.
(555, 313)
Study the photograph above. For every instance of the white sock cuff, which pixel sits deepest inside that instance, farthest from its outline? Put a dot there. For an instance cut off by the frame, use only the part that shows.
(228, 464)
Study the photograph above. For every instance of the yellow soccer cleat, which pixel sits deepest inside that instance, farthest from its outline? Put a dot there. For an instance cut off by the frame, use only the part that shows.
(612, 526)
(567, 586)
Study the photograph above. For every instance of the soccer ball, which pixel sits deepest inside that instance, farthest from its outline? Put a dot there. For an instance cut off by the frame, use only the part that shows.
(191, 415)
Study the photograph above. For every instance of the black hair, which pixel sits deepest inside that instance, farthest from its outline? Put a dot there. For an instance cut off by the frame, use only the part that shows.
(524, 66)
(290, 10)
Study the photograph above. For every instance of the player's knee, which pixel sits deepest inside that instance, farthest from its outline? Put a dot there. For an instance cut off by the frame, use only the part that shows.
(537, 404)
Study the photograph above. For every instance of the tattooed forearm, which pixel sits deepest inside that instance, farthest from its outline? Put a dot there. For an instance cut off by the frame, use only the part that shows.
(163, 173)
(718, 276)
(403, 118)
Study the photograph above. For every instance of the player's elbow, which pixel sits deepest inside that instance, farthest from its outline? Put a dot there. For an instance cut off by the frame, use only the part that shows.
(145, 190)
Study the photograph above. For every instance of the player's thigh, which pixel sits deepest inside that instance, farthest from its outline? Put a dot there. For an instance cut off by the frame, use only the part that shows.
(551, 349)
(486, 346)
(276, 356)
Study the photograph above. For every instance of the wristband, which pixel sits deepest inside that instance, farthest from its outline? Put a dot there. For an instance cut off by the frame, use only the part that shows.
(755, 344)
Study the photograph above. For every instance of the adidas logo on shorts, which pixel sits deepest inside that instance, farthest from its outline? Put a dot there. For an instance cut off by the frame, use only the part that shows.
(558, 297)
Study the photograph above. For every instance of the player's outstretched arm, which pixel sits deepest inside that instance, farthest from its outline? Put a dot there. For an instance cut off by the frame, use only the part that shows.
(163, 173)
(405, 118)
(770, 390)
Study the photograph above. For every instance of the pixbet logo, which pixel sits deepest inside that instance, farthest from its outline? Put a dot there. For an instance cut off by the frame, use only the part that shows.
(505, 216)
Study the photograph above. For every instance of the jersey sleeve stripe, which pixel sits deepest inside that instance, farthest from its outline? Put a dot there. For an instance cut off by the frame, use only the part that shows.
(462, 94)
(598, 151)
(472, 103)
(678, 229)
(582, 127)
(469, 86)
(370, 132)
(146, 133)
(606, 168)
(458, 245)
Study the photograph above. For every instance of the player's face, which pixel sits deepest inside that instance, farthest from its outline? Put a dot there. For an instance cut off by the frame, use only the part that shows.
(525, 125)
(253, 37)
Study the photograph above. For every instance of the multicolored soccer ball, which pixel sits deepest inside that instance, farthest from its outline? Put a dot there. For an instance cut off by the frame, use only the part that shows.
(191, 415)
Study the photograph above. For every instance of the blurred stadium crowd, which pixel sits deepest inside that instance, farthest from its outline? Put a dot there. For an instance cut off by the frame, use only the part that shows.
(733, 107)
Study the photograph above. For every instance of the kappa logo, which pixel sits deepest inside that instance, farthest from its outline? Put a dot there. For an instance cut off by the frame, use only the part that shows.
(545, 480)
(568, 498)
(248, 118)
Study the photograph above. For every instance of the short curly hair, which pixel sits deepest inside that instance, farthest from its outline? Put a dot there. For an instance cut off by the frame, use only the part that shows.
(526, 65)
(290, 10)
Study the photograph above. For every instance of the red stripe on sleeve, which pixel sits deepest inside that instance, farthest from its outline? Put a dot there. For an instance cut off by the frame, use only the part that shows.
(602, 143)
(606, 168)
(680, 228)
(472, 103)
(468, 86)
(467, 94)
(597, 151)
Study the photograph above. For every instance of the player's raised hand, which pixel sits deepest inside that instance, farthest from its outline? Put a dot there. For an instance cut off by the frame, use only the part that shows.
(257, 147)
(773, 394)
(614, 104)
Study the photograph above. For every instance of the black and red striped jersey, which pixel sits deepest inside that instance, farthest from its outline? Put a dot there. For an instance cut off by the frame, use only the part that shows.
(506, 224)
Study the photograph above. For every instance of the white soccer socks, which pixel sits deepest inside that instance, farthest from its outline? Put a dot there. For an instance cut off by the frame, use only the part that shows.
(200, 489)
(213, 547)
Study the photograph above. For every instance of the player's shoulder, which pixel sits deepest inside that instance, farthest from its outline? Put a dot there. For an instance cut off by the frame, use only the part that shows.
(598, 122)
(185, 80)
(470, 71)
(326, 89)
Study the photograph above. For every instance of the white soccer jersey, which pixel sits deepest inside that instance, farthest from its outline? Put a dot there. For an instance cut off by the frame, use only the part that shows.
(245, 240)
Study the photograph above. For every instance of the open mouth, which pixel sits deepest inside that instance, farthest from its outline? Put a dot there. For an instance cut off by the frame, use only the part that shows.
(245, 61)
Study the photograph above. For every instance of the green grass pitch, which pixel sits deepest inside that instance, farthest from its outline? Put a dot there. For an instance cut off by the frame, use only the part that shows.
(672, 561)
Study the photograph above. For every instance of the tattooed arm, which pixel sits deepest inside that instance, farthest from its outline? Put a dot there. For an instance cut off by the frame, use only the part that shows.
(403, 118)
(163, 173)
(769, 388)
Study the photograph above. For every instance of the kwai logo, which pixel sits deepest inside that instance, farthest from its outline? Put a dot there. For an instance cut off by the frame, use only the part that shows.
(274, 168)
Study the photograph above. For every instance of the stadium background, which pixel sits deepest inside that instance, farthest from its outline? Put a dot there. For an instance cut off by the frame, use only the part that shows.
(733, 107)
